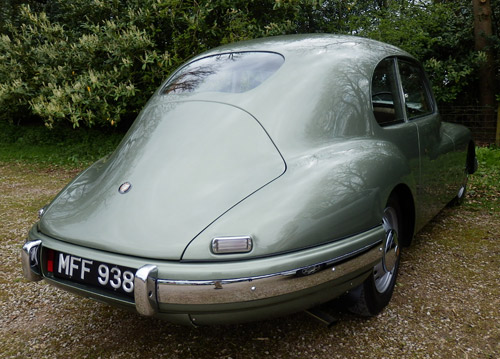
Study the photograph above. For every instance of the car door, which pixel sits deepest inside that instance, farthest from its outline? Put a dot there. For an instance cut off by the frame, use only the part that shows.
(421, 110)
(388, 110)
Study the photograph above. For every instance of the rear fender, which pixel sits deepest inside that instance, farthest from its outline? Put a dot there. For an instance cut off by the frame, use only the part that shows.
(324, 196)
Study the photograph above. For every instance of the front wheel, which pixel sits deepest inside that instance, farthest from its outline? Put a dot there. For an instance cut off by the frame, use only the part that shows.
(375, 292)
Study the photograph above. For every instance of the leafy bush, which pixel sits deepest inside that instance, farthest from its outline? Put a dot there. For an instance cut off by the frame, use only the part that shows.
(81, 70)
(95, 62)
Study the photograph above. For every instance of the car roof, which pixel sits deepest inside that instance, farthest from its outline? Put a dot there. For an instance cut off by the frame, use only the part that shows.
(309, 45)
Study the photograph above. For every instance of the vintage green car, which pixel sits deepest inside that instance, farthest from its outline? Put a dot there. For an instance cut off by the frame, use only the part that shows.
(263, 178)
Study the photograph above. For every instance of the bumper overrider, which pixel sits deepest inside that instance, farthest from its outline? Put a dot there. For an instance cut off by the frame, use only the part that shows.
(213, 292)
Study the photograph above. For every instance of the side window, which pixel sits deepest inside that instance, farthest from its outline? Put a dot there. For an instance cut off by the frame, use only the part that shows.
(385, 94)
(416, 97)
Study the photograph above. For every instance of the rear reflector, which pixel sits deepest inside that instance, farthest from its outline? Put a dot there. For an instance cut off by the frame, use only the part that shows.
(226, 245)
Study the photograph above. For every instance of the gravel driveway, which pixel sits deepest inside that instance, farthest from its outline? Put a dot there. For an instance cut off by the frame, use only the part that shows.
(446, 303)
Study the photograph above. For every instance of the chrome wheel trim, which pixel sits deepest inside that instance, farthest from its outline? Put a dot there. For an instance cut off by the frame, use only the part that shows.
(383, 272)
(463, 187)
(391, 251)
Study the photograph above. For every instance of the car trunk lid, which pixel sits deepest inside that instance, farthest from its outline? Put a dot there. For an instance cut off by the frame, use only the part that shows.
(187, 162)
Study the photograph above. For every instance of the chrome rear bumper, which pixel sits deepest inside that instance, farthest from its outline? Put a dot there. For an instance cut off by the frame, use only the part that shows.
(30, 259)
(239, 290)
(150, 292)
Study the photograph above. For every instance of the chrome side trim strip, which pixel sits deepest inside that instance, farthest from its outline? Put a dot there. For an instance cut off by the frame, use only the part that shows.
(266, 286)
(145, 290)
(30, 259)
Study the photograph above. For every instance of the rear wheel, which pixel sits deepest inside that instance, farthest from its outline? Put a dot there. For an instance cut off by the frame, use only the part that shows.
(375, 292)
(470, 167)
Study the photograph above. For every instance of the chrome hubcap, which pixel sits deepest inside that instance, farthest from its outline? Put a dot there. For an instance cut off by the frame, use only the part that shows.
(461, 192)
(391, 251)
(383, 272)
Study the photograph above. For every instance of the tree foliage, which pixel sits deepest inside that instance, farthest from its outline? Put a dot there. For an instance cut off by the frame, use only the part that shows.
(96, 62)
(440, 34)
(90, 62)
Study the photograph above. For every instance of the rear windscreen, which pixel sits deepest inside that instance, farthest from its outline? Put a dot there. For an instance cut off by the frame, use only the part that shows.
(234, 72)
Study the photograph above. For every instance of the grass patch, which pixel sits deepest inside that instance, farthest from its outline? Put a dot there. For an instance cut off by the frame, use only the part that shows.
(62, 146)
(484, 185)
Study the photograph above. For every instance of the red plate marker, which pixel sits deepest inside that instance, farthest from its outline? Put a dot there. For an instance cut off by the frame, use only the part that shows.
(50, 261)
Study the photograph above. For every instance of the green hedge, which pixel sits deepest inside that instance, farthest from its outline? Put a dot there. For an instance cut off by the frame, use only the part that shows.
(81, 70)
(95, 62)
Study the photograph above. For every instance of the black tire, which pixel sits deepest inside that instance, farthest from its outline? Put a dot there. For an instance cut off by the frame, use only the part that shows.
(375, 292)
